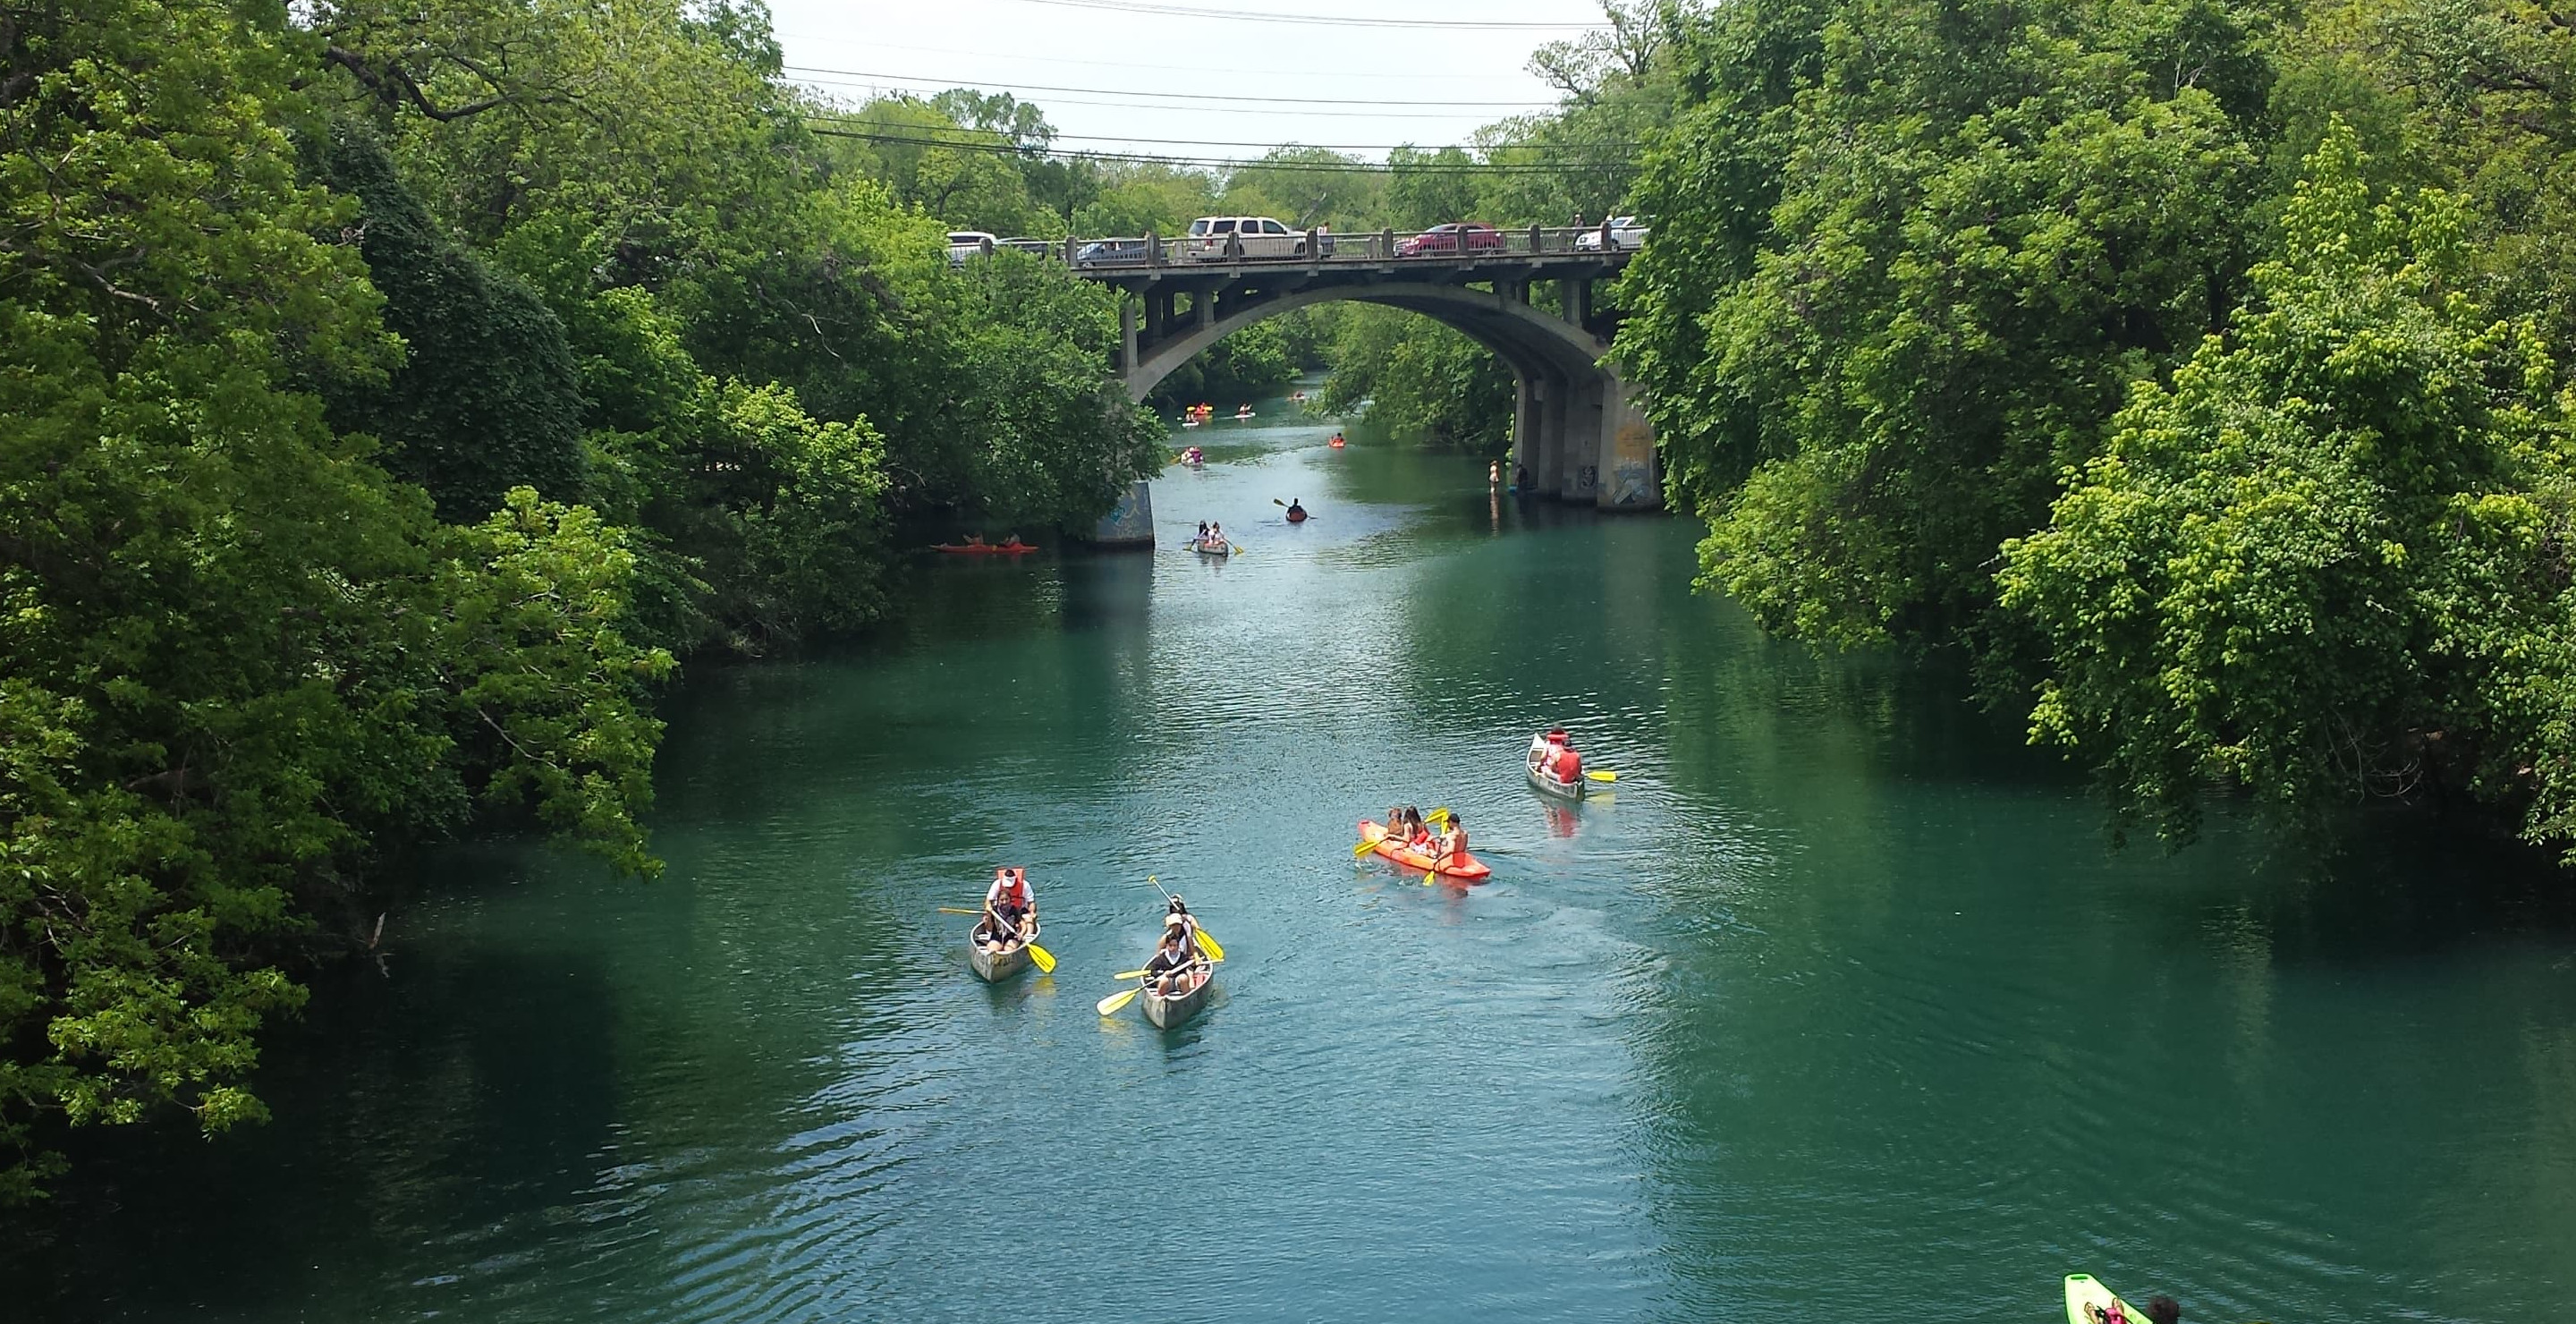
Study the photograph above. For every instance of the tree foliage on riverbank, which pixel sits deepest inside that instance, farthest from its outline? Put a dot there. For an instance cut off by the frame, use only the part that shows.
(387, 396)
(2192, 364)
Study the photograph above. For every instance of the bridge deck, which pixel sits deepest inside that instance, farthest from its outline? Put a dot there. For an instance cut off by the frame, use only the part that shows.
(1535, 253)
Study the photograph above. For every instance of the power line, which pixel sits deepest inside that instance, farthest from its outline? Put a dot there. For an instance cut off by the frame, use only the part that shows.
(1320, 20)
(1177, 142)
(1172, 96)
(1233, 163)
(1187, 68)
(1191, 110)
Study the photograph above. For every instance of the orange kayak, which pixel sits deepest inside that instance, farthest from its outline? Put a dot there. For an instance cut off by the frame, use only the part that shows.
(986, 548)
(1455, 866)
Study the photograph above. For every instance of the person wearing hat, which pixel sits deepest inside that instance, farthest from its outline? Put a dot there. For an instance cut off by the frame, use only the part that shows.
(1007, 904)
(1177, 911)
(1568, 765)
(1543, 749)
(1167, 972)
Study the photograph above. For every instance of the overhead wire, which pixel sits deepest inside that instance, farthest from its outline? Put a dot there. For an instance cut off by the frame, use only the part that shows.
(973, 139)
(1461, 115)
(1188, 68)
(1167, 96)
(1319, 20)
(1228, 163)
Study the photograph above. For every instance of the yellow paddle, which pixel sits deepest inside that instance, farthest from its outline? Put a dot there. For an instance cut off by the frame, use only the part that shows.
(952, 910)
(1140, 974)
(1602, 775)
(1045, 959)
(1111, 1005)
(1206, 943)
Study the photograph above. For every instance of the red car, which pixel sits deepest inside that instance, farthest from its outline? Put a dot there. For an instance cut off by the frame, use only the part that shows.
(1455, 237)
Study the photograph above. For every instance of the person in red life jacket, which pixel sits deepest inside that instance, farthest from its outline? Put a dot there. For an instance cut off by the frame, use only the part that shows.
(1417, 834)
(1568, 765)
(1545, 748)
(1008, 906)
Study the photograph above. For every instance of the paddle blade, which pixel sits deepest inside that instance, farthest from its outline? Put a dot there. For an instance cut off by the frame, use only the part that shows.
(1129, 974)
(1436, 816)
(1116, 1002)
(1602, 775)
(1045, 959)
(952, 910)
(1208, 945)
(1362, 849)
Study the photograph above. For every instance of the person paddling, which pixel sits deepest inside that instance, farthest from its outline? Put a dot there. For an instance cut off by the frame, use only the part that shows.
(1008, 904)
(1296, 510)
(1167, 972)
(1453, 843)
(1559, 760)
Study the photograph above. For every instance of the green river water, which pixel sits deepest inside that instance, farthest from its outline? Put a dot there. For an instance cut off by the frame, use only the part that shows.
(1841, 1009)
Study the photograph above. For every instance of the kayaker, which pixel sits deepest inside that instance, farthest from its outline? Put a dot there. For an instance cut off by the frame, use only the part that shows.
(1167, 971)
(1007, 904)
(1417, 833)
(1202, 532)
(1296, 509)
(1453, 843)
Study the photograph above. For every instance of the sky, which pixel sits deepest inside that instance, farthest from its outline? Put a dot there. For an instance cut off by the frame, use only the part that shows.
(1159, 82)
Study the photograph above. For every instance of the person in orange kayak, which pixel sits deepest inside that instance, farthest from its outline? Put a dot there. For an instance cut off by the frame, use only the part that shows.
(1453, 843)
(1008, 905)
(1416, 833)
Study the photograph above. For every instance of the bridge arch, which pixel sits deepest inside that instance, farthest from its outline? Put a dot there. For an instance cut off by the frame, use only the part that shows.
(1575, 426)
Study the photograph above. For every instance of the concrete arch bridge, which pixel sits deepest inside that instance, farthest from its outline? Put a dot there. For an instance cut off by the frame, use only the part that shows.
(1575, 425)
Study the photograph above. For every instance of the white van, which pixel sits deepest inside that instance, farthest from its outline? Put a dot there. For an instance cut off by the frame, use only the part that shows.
(1251, 236)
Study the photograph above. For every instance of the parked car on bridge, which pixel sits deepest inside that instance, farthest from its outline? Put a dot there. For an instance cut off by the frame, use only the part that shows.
(963, 244)
(1035, 247)
(1455, 237)
(1625, 235)
(1111, 253)
(1222, 238)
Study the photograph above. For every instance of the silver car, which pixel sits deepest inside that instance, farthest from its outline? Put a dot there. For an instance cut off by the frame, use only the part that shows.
(1623, 234)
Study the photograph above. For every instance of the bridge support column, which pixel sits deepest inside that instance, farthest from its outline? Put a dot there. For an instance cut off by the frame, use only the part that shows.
(1548, 475)
(1131, 522)
(1528, 417)
(1126, 334)
(1630, 478)
(1581, 471)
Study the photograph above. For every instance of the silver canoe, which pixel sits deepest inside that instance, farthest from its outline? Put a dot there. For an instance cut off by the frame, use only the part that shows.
(1552, 786)
(1173, 1012)
(1204, 549)
(992, 965)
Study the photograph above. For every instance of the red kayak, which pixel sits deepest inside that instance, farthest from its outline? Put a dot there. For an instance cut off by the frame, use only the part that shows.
(1467, 867)
(985, 548)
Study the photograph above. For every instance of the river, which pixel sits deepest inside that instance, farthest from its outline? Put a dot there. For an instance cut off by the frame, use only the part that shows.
(1841, 1007)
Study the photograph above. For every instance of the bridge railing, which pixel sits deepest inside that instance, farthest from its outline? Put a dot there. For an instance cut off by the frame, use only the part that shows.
(1322, 247)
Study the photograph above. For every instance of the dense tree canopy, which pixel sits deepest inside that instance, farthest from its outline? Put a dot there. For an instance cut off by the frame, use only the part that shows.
(2188, 362)
(390, 394)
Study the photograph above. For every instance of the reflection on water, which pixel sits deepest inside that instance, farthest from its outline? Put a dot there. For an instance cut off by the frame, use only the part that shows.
(1837, 1000)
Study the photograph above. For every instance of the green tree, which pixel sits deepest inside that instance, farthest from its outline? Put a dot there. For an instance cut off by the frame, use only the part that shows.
(2322, 564)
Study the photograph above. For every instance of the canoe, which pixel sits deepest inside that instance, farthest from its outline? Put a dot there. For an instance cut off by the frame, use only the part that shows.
(2084, 1296)
(985, 548)
(1457, 866)
(995, 966)
(1205, 549)
(1296, 517)
(1173, 1012)
(1547, 782)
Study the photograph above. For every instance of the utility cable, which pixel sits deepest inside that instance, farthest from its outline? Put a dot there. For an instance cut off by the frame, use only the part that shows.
(1176, 142)
(944, 84)
(1233, 163)
(1319, 20)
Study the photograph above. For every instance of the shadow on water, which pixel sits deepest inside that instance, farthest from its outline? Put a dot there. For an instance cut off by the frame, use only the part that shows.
(472, 1088)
